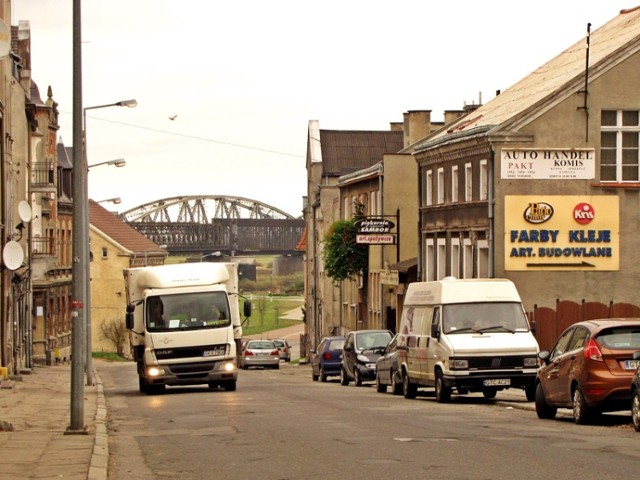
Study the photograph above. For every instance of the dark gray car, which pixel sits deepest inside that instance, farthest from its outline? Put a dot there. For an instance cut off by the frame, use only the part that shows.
(387, 374)
(359, 355)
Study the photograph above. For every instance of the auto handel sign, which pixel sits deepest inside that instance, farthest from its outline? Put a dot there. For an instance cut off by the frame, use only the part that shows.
(562, 232)
(375, 231)
(548, 163)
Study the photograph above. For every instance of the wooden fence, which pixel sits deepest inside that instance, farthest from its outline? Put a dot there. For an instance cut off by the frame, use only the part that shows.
(550, 323)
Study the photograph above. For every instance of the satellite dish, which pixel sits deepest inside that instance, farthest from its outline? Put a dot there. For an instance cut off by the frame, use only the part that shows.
(12, 255)
(24, 211)
(5, 40)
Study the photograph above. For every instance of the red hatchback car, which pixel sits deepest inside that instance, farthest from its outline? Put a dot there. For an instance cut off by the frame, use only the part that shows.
(589, 369)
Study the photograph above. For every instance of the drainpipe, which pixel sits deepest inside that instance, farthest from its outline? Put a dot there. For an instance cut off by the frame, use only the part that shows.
(419, 263)
(490, 200)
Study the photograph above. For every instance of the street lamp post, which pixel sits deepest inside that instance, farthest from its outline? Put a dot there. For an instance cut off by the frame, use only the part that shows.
(84, 201)
(114, 200)
(118, 162)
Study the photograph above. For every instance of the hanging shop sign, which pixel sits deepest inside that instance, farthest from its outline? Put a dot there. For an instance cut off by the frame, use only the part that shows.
(375, 231)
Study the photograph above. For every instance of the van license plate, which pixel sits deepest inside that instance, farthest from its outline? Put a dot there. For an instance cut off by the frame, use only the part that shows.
(496, 382)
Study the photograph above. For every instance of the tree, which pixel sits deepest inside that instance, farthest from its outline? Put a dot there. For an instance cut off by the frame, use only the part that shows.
(343, 257)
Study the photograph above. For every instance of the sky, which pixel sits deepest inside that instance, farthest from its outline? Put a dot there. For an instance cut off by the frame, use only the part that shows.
(243, 78)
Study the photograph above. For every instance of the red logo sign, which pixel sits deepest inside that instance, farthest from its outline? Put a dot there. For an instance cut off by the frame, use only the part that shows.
(583, 213)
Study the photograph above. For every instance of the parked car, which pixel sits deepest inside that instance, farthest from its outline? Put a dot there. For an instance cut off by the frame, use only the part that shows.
(359, 354)
(635, 395)
(284, 348)
(387, 374)
(260, 353)
(326, 360)
(589, 369)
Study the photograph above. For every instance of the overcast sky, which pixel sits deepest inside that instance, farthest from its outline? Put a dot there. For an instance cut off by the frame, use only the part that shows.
(244, 77)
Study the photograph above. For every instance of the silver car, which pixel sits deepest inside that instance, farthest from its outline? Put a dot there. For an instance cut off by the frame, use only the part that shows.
(260, 353)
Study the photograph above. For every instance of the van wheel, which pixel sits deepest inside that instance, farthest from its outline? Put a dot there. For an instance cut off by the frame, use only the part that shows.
(409, 389)
(443, 393)
(530, 392)
(344, 380)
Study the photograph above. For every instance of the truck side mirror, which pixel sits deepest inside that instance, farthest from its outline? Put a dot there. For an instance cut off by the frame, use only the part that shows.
(247, 308)
(435, 330)
(129, 320)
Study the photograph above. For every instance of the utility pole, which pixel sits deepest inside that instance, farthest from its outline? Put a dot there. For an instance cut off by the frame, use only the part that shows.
(80, 239)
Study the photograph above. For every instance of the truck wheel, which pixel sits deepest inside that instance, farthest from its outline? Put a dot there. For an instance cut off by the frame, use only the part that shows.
(230, 386)
(489, 392)
(409, 389)
(155, 389)
(443, 393)
(142, 385)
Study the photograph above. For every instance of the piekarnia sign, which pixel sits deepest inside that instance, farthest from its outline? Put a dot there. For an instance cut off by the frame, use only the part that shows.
(548, 163)
(375, 231)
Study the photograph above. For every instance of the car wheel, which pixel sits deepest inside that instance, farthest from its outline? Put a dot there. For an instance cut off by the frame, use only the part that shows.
(530, 392)
(409, 389)
(581, 413)
(489, 392)
(443, 393)
(314, 375)
(323, 377)
(380, 387)
(344, 380)
(357, 378)
(543, 409)
(277, 366)
(635, 411)
(396, 384)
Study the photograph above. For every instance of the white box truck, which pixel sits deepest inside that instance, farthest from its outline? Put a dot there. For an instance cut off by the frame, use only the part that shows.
(184, 324)
(470, 335)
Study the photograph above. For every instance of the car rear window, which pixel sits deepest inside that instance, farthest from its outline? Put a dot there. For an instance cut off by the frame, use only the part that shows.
(621, 338)
(336, 345)
(261, 345)
(279, 343)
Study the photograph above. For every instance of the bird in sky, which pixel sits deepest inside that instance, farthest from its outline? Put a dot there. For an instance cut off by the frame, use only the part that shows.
(173, 117)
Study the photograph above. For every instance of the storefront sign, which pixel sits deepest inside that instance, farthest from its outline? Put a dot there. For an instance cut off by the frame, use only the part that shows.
(557, 232)
(548, 164)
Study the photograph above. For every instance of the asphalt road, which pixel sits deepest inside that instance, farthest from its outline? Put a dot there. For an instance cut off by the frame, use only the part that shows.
(280, 425)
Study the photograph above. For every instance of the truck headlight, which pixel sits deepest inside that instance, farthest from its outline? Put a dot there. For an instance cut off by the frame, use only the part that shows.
(229, 367)
(155, 371)
(531, 362)
(459, 364)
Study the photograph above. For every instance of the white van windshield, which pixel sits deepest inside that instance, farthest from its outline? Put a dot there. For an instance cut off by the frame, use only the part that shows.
(484, 317)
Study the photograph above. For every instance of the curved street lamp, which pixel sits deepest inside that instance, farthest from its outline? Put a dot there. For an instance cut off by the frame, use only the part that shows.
(118, 162)
(83, 214)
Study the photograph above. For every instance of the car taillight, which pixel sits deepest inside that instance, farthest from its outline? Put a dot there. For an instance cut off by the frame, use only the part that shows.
(592, 351)
(248, 353)
(326, 356)
(275, 352)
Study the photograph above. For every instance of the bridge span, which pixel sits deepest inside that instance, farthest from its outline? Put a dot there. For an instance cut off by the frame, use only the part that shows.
(204, 224)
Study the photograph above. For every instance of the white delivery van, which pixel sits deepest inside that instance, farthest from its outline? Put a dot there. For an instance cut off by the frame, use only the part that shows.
(467, 335)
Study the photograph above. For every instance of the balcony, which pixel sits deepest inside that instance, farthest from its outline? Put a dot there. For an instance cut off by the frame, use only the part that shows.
(43, 177)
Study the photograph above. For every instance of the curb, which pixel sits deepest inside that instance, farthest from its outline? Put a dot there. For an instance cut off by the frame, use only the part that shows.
(99, 466)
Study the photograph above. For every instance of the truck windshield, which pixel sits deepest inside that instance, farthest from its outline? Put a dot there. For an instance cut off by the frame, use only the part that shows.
(187, 311)
(484, 318)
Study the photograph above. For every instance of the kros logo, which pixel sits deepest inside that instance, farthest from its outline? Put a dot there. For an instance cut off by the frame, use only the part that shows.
(583, 213)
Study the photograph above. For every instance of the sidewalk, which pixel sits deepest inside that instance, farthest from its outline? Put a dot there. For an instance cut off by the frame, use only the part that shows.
(35, 413)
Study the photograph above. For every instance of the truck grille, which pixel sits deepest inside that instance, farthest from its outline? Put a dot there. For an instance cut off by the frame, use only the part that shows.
(190, 352)
(496, 363)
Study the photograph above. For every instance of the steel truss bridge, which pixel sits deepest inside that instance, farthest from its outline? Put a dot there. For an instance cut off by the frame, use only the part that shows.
(204, 224)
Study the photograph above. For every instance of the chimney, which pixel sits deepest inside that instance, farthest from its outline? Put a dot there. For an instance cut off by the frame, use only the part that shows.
(396, 126)
(452, 115)
(417, 125)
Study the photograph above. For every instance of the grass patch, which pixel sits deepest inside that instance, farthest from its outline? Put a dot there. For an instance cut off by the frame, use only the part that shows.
(109, 356)
(266, 313)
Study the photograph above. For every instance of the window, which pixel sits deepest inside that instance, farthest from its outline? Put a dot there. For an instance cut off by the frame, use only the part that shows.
(428, 189)
(440, 185)
(484, 177)
(468, 190)
(429, 260)
(455, 257)
(454, 184)
(441, 259)
(104, 252)
(619, 152)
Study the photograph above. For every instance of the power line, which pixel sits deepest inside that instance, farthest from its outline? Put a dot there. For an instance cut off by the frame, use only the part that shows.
(194, 137)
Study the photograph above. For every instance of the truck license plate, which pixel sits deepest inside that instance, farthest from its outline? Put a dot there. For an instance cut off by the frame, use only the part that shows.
(213, 353)
(496, 382)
